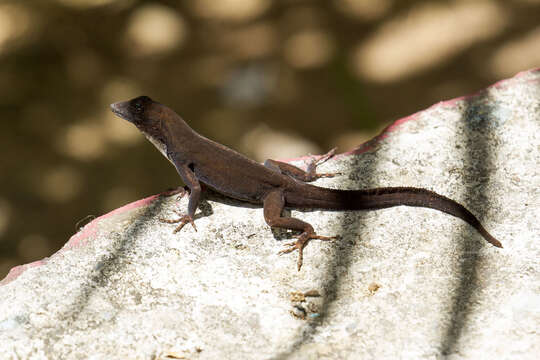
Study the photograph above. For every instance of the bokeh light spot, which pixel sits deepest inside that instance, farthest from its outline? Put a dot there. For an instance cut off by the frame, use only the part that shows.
(84, 141)
(154, 30)
(253, 41)
(119, 89)
(235, 10)
(517, 55)
(119, 131)
(60, 184)
(308, 49)
(265, 143)
(426, 36)
(15, 25)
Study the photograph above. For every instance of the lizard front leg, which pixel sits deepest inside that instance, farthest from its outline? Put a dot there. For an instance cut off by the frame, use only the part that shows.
(194, 186)
(273, 206)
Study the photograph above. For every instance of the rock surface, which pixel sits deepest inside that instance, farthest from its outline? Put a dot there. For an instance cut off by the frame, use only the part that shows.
(401, 283)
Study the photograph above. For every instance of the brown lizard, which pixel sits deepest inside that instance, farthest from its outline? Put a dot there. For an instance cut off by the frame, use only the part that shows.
(275, 184)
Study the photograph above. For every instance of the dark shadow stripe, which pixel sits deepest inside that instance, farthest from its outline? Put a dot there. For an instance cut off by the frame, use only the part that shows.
(477, 164)
(342, 258)
(99, 276)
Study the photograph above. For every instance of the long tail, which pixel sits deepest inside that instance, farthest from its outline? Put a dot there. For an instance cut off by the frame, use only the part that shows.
(380, 198)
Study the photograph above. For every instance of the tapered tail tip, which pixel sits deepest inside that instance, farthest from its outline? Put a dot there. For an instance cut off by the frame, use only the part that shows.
(494, 242)
(489, 238)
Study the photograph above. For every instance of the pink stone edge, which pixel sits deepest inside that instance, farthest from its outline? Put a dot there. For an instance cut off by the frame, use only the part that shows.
(77, 239)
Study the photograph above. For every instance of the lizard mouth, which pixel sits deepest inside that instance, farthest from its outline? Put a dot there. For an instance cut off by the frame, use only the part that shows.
(120, 109)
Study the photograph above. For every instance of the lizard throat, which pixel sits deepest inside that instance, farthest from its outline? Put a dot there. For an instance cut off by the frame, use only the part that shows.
(160, 145)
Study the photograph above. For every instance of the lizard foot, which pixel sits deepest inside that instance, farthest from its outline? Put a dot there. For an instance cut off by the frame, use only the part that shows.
(312, 166)
(301, 243)
(326, 156)
(183, 220)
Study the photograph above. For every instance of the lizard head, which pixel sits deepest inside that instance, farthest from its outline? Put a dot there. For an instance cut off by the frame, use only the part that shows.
(148, 116)
(137, 111)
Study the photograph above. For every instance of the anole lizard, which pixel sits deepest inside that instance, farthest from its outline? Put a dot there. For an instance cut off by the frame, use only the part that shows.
(275, 184)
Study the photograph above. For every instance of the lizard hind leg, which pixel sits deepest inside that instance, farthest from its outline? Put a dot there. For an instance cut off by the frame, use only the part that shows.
(273, 206)
(309, 175)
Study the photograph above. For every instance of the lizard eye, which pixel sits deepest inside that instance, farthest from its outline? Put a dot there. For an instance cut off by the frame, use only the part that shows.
(139, 104)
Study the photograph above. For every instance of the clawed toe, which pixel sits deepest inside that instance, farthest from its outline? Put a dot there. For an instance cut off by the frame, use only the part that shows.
(301, 243)
(326, 156)
(324, 238)
(169, 221)
(179, 227)
(311, 168)
(291, 246)
(183, 220)
(327, 175)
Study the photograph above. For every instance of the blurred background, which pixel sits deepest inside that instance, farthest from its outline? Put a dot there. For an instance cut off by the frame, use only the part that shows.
(272, 79)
